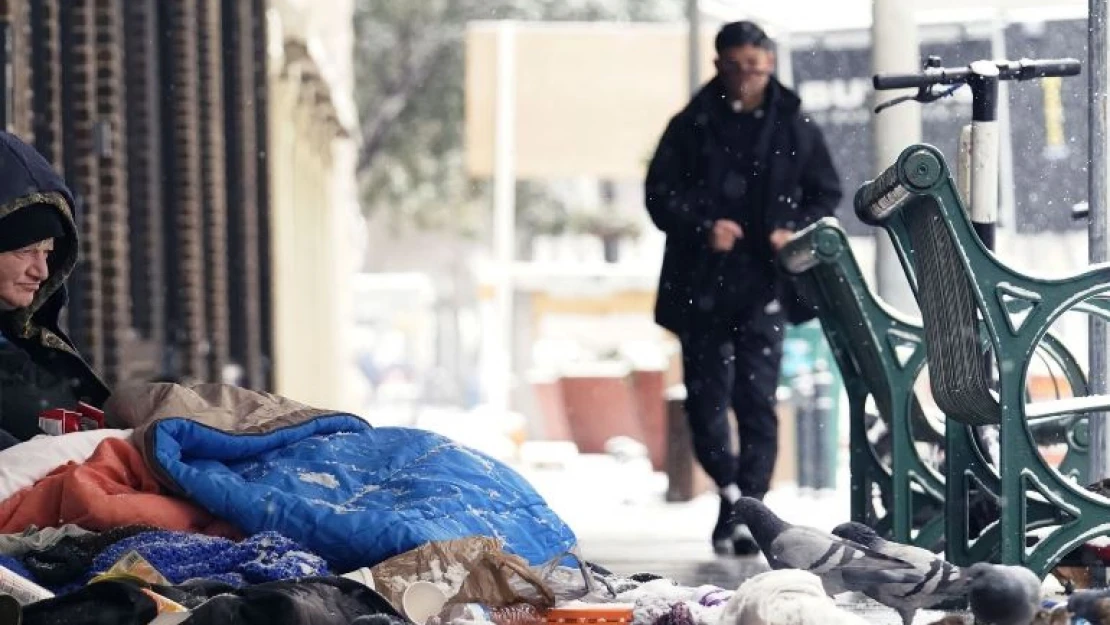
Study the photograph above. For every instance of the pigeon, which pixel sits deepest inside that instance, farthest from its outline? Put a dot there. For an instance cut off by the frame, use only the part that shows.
(941, 582)
(1093, 605)
(841, 564)
(1003, 595)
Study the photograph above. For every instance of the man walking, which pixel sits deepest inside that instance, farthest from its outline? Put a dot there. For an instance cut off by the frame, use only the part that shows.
(736, 173)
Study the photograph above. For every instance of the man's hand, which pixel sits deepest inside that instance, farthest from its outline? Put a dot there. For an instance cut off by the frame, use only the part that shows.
(779, 238)
(724, 235)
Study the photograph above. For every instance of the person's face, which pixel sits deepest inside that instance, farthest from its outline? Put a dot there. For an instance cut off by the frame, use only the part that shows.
(22, 272)
(745, 70)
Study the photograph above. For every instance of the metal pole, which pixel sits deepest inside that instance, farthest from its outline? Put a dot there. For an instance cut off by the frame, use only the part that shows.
(1007, 204)
(504, 214)
(894, 49)
(1096, 232)
(693, 42)
(984, 150)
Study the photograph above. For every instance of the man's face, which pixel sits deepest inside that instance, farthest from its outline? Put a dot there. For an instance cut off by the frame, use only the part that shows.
(22, 272)
(745, 70)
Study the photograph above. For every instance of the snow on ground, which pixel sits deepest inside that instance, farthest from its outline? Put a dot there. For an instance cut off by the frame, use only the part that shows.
(623, 522)
(617, 508)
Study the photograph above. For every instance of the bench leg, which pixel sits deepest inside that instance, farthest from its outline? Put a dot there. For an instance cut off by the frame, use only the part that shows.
(903, 456)
(1078, 514)
(966, 469)
(868, 473)
(915, 484)
(905, 486)
(865, 468)
(957, 456)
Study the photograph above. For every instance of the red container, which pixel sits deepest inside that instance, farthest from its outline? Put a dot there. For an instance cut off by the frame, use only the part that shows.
(548, 392)
(91, 413)
(58, 421)
(599, 405)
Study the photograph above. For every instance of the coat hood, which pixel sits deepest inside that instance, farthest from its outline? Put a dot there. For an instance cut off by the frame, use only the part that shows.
(27, 179)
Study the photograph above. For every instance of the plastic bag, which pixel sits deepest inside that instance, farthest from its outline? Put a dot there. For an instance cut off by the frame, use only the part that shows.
(475, 569)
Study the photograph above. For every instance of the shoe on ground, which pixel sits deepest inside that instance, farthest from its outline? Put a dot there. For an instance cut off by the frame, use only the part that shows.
(723, 530)
(743, 544)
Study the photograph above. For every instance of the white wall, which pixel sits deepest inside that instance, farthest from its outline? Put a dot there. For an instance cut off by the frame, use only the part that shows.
(318, 233)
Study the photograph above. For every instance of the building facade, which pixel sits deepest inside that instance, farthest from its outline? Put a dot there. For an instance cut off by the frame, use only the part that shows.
(159, 115)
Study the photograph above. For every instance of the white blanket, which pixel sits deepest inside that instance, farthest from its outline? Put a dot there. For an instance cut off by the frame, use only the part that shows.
(26, 463)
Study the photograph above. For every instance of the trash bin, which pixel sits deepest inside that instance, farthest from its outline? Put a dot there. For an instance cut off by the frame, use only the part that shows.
(547, 391)
(599, 405)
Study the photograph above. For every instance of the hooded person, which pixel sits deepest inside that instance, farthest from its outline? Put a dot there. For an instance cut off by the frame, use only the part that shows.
(736, 173)
(40, 367)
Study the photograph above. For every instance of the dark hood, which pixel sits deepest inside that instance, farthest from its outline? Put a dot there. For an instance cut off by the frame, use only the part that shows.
(711, 100)
(27, 179)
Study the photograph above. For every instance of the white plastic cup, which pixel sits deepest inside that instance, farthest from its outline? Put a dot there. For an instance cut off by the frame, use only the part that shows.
(423, 600)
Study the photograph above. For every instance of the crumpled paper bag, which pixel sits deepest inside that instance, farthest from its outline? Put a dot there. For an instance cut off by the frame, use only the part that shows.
(475, 569)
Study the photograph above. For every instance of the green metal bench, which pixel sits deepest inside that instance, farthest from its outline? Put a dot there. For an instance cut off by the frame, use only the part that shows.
(964, 292)
(880, 355)
(878, 351)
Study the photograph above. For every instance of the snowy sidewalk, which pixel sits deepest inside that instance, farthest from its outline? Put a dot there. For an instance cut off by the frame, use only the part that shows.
(619, 512)
(623, 522)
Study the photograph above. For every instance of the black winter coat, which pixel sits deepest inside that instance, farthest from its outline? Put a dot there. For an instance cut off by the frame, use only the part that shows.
(684, 196)
(39, 366)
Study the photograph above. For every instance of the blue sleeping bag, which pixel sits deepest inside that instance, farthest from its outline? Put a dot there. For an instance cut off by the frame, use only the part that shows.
(354, 494)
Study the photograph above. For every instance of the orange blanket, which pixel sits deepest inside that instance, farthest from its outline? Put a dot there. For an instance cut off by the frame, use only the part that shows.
(114, 487)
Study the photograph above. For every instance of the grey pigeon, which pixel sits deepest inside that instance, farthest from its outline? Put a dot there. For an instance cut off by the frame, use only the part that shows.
(941, 581)
(1093, 605)
(841, 564)
(1003, 595)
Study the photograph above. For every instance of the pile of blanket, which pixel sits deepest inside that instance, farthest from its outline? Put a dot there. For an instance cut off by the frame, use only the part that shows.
(224, 461)
(237, 487)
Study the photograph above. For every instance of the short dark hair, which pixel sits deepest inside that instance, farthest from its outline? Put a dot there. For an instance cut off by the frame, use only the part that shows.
(743, 33)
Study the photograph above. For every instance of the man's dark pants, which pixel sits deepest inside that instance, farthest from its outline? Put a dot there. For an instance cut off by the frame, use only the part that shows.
(735, 365)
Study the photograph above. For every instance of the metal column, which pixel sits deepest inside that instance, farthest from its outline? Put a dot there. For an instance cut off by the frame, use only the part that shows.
(894, 49)
(1096, 192)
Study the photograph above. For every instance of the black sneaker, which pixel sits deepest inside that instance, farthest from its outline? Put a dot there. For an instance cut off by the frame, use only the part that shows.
(743, 544)
(722, 532)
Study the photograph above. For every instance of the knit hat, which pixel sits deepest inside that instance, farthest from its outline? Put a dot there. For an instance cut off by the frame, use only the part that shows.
(30, 225)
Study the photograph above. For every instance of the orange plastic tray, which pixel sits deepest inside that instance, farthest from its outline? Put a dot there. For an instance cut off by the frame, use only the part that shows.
(596, 613)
